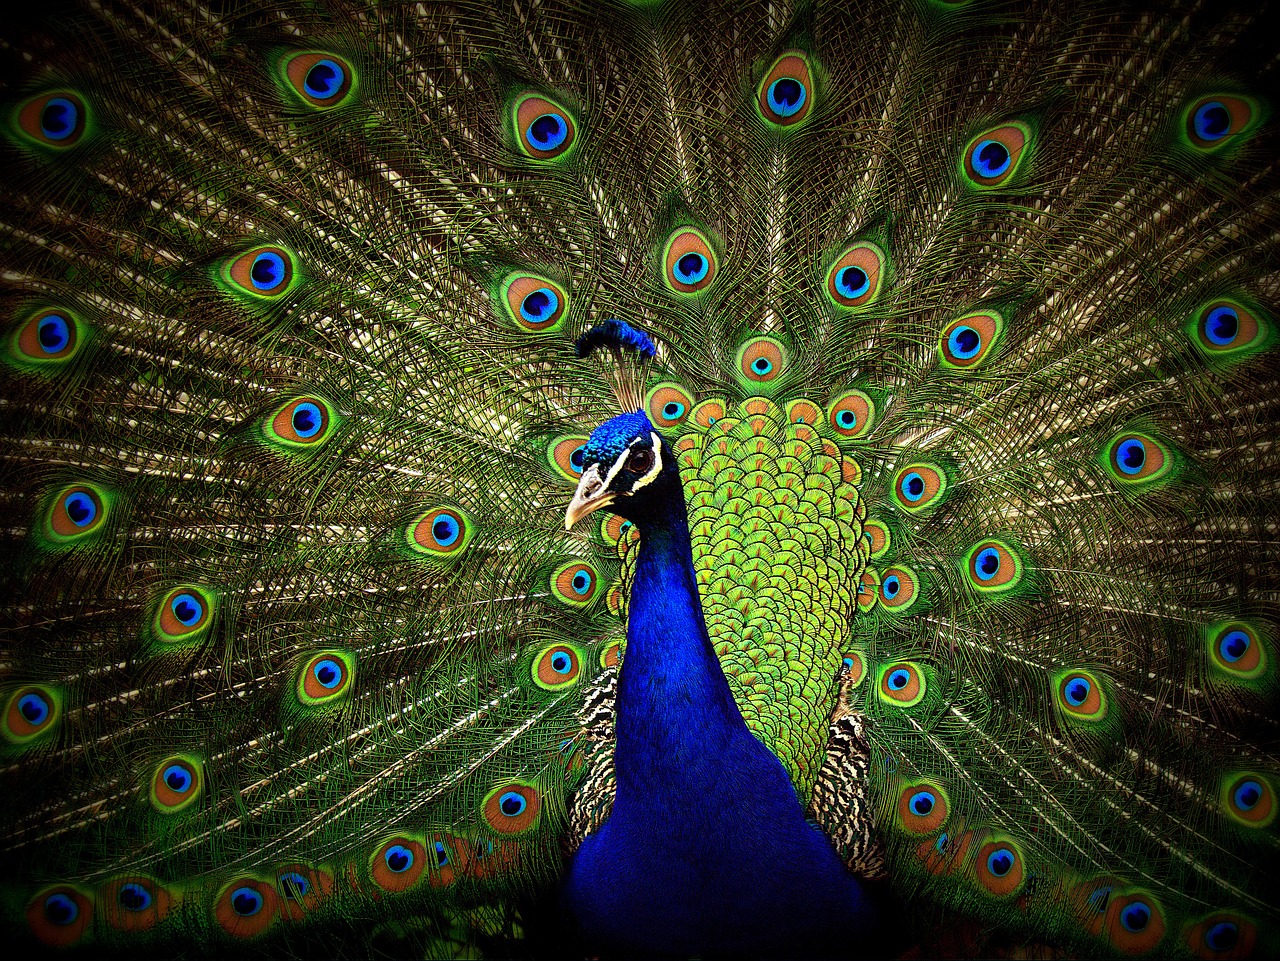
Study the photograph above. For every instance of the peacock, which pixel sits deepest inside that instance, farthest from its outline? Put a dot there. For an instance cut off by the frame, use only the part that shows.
(626, 479)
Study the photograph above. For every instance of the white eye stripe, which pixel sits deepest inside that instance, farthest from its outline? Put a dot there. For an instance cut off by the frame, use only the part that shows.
(621, 462)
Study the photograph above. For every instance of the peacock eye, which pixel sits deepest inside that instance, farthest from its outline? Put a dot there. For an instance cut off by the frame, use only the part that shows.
(641, 461)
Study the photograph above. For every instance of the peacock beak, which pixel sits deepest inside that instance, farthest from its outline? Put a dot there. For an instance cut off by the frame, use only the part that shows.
(590, 496)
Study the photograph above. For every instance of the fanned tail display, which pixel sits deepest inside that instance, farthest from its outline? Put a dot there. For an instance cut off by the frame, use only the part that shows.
(927, 376)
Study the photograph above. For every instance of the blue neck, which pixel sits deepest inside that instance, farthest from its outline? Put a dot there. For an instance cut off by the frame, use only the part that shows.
(707, 848)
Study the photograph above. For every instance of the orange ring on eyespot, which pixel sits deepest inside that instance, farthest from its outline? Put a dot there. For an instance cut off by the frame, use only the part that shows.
(31, 711)
(1136, 457)
(611, 654)
(49, 335)
(182, 612)
(880, 538)
(854, 280)
(948, 852)
(300, 889)
(1081, 695)
(868, 589)
(1206, 131)
(264, 271)
(176, 784)
(902, 595)
(1209, 330)
(923, 807)
(992, 566)
(762, 360)
(688, 262)
(512, 808)
(556, 128)
(854, 667)
(669, 405)
(851, 414)
(918, 487)
(576, 583)
(76, 510)
(534, 303)
(134, 902)
(449, 857)
(55, 119)
(901, 683)
(968, 340)
(783, 104)
(709, 412)
(1237, 648)
(298, 71)
(325, 677)
(1010, 141)
(59, 916)
(1134, 922)
(565, 456)
(443, 531)
(1249, 799)
(557, 666)
(246, 907)
(998, 867)
(803, 412)
(302, 421)
(1222, 935)
(398, 864)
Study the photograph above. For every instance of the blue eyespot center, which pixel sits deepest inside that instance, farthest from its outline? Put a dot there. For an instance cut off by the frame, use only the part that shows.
(964, 342)
(512, 804)
(1077, 691)
(80, 508)
(267, 271)
(177, 778)
(991, 158)
(786, 96)
(1222, 936)
(1222, 325)
(134, 897)
(1135, 917)
(306, 420)
(852, 282)
(987, 563)
(1000, 862)
(912, 486)
(328, 672)
(892, 584)
(325, 79)
(899, 679)
(691, 268)
(246, 902)
(293, 885)
(548, 131)
(54, 333)
(187, 609)
(847, 419)
(578, 459)
(561, 662)
(1212, 121)
(672, 410)
(398, 858)
(581, 582)
(59, 118)
(762, 365)
(1247, 795)
(445, 530)
(1234, 646)
(442, 854)
(60, 910)
(922, 803)
(34, 708)
(1131, 455)
(540, 306)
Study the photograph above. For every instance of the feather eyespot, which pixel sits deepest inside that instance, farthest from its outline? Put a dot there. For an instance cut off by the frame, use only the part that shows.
(48, 337)
(1213, 121)
(320, 80)
(566, 456)
(856, 277)
(785, 96)
(919, 487)
(575, 583)
(442, 532)
(611, 654)
(762, 360)
(60, 915)
(533, 303)
(879, 536)
(1080, 695)
(851, 414)
(688, 262)
(176, 784)
(544, 129)
(57, 119)
(998, 867)
(134, 903)
(669, 405)
(1226, 330)
(708, 412)
(1249, 799)
(301, 888)
(923, 807)
(301, 424)
(557, 666)
(1237, 649)
(75, 513)
(267, 272)
(512, 808)
(30, 713)
(1134, 922)
(868, 590)
(1135, 458)
(968, 341)
(398, 863)
(993, 157)
(246, 907)
(902, 684)
(992, 567)
(1222, 935)
(183, 614)
(325, 679)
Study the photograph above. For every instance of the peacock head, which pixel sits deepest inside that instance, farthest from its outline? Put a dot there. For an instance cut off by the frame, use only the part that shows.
(626, 467)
